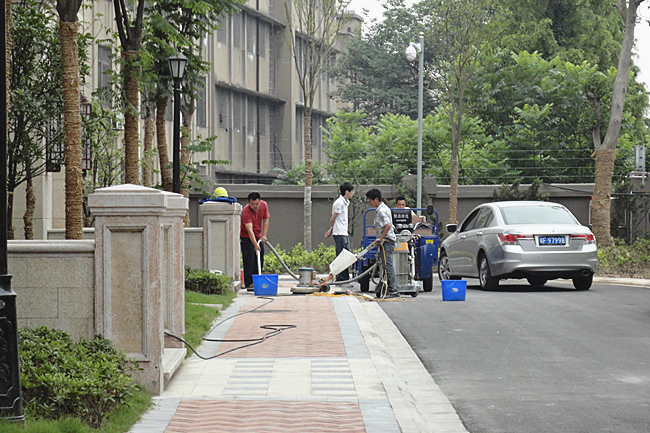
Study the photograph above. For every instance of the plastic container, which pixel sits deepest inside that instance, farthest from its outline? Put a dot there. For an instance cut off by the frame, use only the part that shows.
(265, 285)
(453, 290)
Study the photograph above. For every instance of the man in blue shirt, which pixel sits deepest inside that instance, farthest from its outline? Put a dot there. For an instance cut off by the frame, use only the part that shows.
(385, 239)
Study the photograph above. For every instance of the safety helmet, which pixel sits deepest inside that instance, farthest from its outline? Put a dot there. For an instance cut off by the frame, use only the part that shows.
(221, 192)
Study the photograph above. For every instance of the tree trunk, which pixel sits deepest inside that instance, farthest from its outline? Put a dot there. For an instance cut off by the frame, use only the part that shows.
(11, 230)
(72, 131)
(308, 181)
(186, 131)
(455, 122)
(147, 163)
(605, 156)
(600, 216)
(132, 95)
(161, 139)
(30, 199)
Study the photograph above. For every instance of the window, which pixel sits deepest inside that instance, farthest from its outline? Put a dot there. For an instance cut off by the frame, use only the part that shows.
(237, 112)
(468, 224)
(262, 39)
(251, 116)
(262, 120)
(104, 67)
(250, 34)
(201, 104)
(332, 66)
(236, 31)
(223, 99)
(222, 32)
(484, 219)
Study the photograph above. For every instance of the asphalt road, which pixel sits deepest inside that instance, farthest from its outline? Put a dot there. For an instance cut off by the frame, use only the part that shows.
(524, 359)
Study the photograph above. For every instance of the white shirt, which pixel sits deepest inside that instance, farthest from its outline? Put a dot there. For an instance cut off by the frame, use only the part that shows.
(340, 207)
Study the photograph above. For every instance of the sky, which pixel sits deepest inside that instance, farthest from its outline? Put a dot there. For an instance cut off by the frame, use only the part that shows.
(641, 32)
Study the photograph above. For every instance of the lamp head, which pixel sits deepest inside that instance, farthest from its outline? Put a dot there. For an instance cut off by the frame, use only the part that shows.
(177, 65)
(411, 53)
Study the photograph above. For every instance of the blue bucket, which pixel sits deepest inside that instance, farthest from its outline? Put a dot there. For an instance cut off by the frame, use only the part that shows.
(453, 290)
(265, 285)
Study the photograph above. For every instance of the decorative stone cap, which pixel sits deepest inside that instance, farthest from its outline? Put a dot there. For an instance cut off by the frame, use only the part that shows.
(220, 208)
(129, 199)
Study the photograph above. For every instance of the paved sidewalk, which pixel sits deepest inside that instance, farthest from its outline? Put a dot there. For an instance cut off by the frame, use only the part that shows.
(344, 368)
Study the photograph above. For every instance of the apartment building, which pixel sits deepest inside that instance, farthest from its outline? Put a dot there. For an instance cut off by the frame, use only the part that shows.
(251, 101)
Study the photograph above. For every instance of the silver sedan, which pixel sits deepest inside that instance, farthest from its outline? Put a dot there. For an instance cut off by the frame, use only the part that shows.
(539, 241)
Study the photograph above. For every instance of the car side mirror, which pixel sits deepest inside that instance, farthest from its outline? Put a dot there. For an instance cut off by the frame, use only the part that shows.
(430, 209)
(451, 228)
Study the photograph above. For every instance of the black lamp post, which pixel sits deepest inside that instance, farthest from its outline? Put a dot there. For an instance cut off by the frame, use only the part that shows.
(177, 68)
(11, 404)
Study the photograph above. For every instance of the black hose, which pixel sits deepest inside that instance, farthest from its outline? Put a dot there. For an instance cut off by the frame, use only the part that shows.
(282, 261)
(275, 330)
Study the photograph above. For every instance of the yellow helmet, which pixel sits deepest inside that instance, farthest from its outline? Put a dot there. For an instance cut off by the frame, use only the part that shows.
(220, 192)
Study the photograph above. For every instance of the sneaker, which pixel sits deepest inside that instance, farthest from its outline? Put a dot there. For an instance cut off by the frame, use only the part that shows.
(392, 296)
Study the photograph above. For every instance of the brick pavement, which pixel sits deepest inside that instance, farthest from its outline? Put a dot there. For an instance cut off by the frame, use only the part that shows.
(317, 332)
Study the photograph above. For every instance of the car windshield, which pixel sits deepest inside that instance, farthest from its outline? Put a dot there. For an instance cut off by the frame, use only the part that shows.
(514, 215)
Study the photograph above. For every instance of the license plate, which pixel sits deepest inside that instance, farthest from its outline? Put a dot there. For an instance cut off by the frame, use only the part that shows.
(552, 240)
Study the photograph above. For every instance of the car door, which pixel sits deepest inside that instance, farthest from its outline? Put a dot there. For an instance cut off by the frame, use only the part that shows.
(459, 262)
(472, 238)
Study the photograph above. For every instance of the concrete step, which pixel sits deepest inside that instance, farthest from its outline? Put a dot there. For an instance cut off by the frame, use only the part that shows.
(172, 360)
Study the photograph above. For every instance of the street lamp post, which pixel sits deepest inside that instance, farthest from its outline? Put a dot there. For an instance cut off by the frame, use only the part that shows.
(412, 53)
(177, 68)
(11, 404)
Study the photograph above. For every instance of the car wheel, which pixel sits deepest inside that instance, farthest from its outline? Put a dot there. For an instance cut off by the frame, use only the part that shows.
(427, 284)
(583, 283)
(537, 281)
(444, 271)
(485, 277)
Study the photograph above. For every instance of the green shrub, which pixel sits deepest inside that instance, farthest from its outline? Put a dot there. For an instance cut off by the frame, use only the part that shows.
(204, 281)
(620, 259)
(61, 378)
(297, 257)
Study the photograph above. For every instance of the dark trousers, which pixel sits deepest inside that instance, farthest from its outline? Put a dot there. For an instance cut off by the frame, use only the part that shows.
(342, 243)
(250, 260)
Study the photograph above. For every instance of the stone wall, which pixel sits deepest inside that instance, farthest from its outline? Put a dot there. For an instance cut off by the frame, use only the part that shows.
(55, 284)
(287, 208)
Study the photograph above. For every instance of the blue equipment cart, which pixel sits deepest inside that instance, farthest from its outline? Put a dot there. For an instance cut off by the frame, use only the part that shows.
(416, 251)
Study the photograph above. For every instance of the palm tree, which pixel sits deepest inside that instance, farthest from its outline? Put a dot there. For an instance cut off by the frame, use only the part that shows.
(68, 26)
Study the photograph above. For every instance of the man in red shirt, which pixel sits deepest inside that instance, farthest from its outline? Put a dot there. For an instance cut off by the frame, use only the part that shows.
(252, 235)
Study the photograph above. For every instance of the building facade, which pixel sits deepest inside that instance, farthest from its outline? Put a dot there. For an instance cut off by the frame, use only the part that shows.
(251, 101)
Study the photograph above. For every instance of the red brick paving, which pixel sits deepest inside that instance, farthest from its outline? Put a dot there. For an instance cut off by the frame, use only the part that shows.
(317, 332)
(201, 416)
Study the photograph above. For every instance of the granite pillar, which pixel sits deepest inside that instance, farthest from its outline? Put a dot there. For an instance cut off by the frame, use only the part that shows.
(135, 234)
(221, 224)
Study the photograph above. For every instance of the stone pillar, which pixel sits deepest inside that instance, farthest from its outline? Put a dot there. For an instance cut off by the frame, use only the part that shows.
(131, 223)
(173, 275)
(221, 224)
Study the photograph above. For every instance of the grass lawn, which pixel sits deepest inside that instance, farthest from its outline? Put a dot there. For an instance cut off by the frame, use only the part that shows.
(198, 318)
(119, 421)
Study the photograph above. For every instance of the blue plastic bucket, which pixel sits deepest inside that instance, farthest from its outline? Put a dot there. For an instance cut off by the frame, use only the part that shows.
(453, 290)
(265, 285)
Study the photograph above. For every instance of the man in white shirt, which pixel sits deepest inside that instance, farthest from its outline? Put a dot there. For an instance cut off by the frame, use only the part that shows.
(339, 224)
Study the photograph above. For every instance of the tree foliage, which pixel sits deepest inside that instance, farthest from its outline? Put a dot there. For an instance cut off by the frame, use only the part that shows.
(374, 75)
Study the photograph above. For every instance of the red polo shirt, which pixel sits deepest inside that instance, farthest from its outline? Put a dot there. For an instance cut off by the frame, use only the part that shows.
(248, 216)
